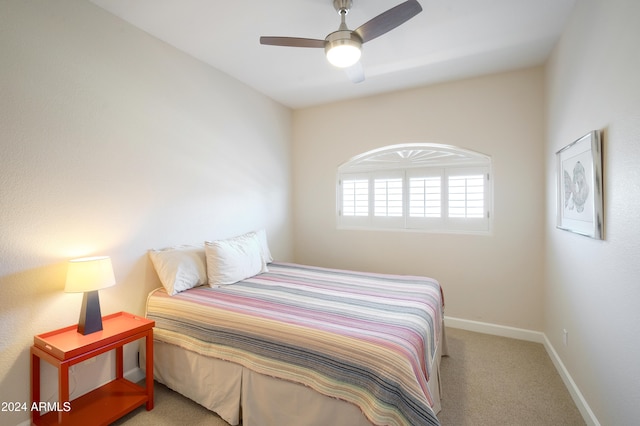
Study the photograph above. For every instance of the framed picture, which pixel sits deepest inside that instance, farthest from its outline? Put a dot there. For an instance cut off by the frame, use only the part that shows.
(580, 201)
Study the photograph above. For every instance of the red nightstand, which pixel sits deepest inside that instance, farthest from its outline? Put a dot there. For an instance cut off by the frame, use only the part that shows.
(66, 347)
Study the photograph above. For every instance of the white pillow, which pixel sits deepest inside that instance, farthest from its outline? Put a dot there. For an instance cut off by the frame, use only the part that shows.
(264, 246)
(180, 268)
(234, 259)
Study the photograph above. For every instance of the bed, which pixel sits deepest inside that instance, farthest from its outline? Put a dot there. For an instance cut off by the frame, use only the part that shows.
(304, 345)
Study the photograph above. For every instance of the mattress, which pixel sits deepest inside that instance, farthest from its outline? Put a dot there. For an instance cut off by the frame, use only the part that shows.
(371, 340)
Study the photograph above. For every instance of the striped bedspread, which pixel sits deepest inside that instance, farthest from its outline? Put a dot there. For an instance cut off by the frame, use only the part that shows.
(368, 339)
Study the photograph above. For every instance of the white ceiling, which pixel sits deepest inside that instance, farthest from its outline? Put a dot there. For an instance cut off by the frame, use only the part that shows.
(449, 39)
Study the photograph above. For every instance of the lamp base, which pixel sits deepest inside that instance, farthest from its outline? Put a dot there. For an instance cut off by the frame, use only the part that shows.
(90, 317)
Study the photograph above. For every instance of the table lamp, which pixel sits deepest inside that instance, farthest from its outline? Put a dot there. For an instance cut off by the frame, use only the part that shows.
(88, 275)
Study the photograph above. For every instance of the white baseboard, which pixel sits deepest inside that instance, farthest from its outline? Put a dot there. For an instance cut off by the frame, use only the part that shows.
(135, 375)
(577, 396)
(495, 329)
(531, 336)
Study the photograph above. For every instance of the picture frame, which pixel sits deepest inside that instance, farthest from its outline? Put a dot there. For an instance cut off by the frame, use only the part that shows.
(579, 178)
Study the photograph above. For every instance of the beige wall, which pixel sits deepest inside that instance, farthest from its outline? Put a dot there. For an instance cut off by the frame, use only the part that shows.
(494, 278)
(593, 287)
(112, 142)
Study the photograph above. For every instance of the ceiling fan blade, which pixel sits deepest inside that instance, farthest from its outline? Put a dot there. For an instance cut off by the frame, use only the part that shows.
(388, 20)
(292, 41)
(355, 72)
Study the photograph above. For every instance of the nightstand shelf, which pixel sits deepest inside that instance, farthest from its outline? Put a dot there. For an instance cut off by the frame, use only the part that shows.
(103, 405)
(66, 347)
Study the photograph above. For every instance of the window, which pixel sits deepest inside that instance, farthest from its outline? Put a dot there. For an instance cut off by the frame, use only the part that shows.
(416, 187)
(355, 197)
(387, 195)
(466, 196)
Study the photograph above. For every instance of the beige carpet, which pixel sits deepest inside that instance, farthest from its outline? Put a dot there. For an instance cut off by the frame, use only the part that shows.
(490, 380)
(487, 380)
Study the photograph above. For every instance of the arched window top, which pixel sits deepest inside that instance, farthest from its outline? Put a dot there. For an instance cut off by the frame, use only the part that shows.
(414, 155)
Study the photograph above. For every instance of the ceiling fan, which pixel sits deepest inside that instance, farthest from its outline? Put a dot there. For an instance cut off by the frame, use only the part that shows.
(343, 47)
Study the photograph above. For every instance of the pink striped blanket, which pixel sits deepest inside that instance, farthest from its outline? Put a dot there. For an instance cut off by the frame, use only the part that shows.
(368, 339)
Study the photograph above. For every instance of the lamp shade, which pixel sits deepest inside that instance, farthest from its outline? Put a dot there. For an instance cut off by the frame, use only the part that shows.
(89, 274)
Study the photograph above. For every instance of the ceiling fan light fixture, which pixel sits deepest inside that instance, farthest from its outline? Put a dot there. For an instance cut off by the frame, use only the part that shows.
(343, 49)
